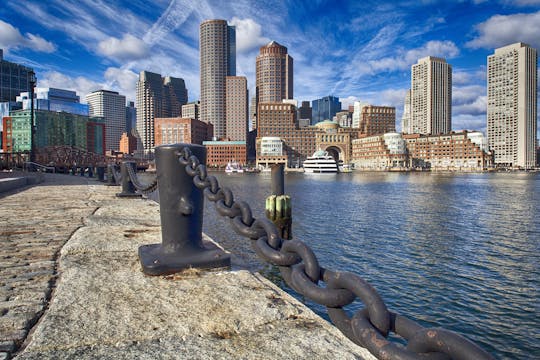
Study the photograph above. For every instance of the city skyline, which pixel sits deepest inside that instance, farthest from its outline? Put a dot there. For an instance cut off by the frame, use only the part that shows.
(352, 51)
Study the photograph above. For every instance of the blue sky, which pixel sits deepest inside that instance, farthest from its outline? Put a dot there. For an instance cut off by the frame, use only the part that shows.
(356, 50)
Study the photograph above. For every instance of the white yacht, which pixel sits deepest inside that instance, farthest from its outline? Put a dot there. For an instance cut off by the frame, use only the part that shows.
(234, 167)
(320, 163)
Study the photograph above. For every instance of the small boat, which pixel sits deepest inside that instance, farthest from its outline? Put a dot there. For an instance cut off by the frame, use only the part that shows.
(233, 167)
(346, 168)
(320, 163)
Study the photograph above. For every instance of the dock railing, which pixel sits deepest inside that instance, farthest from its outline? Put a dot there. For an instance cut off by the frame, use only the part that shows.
(183, 183)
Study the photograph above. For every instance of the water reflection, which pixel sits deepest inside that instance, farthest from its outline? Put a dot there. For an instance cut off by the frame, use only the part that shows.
(452, 250)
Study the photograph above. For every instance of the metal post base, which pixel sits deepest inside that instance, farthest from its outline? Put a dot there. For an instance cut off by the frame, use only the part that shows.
(128, 195)
(156, 261)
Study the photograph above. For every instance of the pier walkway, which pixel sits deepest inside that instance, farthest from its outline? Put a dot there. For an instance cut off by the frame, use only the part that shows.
(71, 287)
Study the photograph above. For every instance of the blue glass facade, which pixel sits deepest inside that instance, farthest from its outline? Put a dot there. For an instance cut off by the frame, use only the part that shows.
(57, 100)
(324, 109)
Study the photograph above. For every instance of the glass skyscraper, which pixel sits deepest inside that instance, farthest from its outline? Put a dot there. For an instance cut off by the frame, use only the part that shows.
(324, 109)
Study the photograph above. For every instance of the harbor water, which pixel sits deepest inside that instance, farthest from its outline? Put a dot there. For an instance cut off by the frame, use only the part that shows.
(459, 251)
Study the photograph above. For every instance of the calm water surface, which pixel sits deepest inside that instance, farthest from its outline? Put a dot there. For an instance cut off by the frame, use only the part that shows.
(457, 251)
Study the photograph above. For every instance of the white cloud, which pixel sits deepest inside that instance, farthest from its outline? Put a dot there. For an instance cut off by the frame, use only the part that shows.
(10, 37)
(469, 122)
(81, 85)
(125, 49)
(122, 80)
(477, 107)
(248, 34)
(501, 30)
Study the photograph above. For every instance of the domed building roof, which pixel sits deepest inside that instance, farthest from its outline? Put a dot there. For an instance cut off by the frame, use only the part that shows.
(327, 124)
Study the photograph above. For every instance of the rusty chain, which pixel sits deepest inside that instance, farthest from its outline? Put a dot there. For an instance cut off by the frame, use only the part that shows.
(115, 173)
(143, 188)
(300, 269)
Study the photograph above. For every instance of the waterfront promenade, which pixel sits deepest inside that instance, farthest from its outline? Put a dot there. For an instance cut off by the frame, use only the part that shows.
(71, 287)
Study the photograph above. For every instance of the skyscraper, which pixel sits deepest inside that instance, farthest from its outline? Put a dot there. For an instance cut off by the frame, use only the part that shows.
(14, 79)
(157, 97)
(237, 108)
(112, 107)
(274, 74)
(357, 113)
(512, 105)
(217, 61)
(406, 118)
(431, 96)
(324, 109)
(131, 117)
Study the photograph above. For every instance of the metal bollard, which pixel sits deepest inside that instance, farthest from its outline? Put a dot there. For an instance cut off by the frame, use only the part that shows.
(128, 190)
(82, 170)
(100, 173)
(181, 207)
(91, 172)
(110, 176)
(278, 206)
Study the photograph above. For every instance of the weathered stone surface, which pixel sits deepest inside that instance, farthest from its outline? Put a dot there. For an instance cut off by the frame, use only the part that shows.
(35, 223)
(103, 306)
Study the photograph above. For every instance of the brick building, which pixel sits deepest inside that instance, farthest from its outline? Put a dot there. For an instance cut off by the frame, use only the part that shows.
(180, 130)
(220, 153)
(376, 120)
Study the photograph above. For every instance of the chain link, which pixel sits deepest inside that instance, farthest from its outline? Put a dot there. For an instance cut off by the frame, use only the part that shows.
(116, 174)
(143, 188)
(300, 269)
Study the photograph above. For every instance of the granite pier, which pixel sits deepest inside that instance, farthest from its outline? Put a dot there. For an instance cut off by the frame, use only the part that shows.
(71, 286)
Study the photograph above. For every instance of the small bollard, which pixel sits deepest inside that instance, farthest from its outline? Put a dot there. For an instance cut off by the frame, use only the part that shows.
(278, 205)
(128, 190)
(91, 172)
(181, 206)
(110, 176)
(100, 173)
(73, 170)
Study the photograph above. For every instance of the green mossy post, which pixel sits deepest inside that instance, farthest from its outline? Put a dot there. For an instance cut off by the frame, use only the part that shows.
(278, 205)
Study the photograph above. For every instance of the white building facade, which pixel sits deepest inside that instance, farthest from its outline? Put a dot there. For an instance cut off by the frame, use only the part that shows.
(512, 105)
(431, 97)
(112, 107)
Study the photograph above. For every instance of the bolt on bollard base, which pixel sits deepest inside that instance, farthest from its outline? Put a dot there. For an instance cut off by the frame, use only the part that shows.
(181, 206)
(128, 190)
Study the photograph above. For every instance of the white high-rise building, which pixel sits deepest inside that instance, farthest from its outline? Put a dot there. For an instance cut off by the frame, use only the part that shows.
(406, 118)
(512, 105)
(217, 47)
(431, 96)
(112, 107)
(357, 113)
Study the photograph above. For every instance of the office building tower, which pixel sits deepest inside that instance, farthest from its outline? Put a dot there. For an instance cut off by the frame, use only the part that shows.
(274, 74)
(304, 111)
(111, 106)
(512, 105)
(431, 96)
(406, 117)
(51, 99)
(324, 109)
(14, 79)
(237, 108)
(191, 110)
(357, 113)
(131, 117)
(157, 97)
(253, 112)
(378, 120)
(217, 61)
